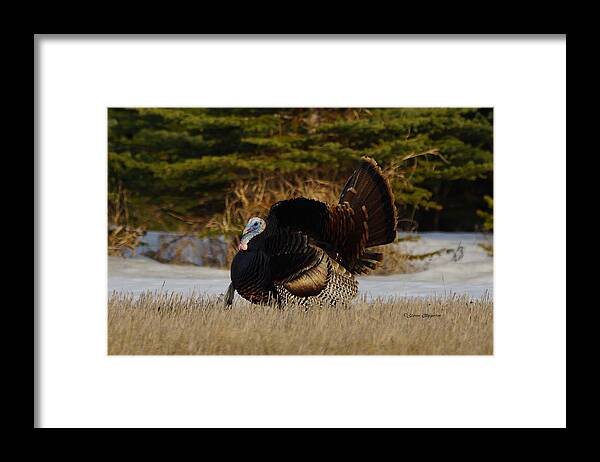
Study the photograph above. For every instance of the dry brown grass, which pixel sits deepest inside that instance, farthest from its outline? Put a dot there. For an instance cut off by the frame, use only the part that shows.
(123, 238)
(171, 324)
(255, 197)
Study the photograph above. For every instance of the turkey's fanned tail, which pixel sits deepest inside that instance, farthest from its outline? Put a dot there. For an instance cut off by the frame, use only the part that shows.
(364, 217)
(369, 191)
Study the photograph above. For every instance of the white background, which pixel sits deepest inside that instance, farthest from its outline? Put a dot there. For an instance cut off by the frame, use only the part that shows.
(523, 384)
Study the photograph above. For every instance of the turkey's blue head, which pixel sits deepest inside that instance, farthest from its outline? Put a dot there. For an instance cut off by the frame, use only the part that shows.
(254, 227)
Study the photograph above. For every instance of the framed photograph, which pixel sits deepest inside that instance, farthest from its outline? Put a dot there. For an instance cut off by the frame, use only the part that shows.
(289, 231)
(347, 231)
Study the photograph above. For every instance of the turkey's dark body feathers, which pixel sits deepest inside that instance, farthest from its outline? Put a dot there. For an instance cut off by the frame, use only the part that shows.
(251, 276)
(310, 250)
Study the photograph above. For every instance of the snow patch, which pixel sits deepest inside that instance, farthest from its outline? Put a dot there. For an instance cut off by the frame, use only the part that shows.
(468, 270)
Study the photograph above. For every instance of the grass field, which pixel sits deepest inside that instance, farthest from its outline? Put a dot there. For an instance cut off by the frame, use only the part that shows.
(171, 324)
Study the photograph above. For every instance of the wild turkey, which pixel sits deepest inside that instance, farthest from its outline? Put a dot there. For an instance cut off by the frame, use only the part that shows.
(307, 252)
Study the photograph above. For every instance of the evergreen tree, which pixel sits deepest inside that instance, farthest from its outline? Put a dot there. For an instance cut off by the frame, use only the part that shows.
(187, 159)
